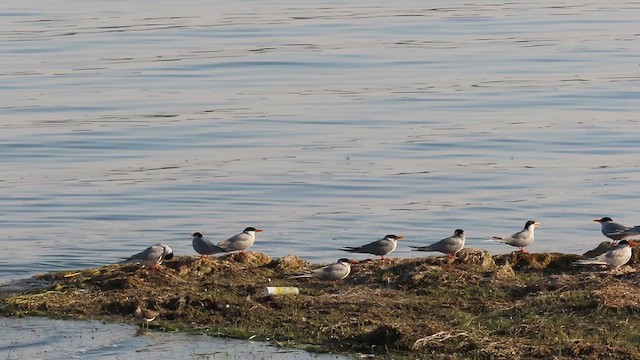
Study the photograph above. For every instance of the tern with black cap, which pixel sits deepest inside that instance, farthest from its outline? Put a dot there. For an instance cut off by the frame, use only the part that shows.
(380, 247)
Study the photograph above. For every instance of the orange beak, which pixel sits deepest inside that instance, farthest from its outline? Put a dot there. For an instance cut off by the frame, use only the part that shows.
(354, 261)
(596, 220)
(399, 237)
(632, 243)
(259, 230)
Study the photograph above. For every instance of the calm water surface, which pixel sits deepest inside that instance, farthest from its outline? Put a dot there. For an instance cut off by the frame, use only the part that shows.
(34, 338)
(326, 123)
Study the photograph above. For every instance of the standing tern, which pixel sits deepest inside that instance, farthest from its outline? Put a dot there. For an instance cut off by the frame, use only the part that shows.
(522, 238)
(241, 241)
(203, 246)
(380, 247)
(449, 246)
(615, 231)
(334, 272)
(152, 256)
(616, 257)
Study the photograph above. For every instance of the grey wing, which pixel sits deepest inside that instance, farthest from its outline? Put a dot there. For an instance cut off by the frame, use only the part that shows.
(333, 272)
(615, 228)
(615, 256)
(518, 236)
(424, 248)
(450, 245)
(522, 238)
(379, 247)
(437, 246)
(206, 247)
(232, 243)
(634, 231)
(227, 244)
(150, 254)
(359, 249)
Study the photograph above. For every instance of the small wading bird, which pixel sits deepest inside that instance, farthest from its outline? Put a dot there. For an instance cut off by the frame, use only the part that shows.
(522, 238)
(203, 246)
(151, 256)
(615, 231)
(449, 246)
(380, 247)
(614, 258)
(146, 316)
(334, 272)
(241, 241)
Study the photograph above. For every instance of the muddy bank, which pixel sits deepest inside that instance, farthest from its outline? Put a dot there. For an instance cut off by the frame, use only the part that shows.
(478, 306)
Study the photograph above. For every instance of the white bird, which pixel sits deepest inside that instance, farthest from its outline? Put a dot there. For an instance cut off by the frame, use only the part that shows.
(334, 272)
(449, 246)
(522, 238)
(616, 231)
(241, 241)
(203, 246)
(152, 256)
(380, 247)
(616, 257)
(146, 315)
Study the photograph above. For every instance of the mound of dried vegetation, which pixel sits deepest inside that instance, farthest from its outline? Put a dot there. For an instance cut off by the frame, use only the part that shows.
(512, 306)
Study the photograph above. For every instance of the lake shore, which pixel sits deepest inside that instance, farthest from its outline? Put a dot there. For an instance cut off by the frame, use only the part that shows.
(477, 306)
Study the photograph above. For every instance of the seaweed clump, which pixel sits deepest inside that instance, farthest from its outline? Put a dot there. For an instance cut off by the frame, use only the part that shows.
(512, 306)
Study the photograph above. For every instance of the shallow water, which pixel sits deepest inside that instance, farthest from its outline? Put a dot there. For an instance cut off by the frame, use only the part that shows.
(35, 338)
(325, 123)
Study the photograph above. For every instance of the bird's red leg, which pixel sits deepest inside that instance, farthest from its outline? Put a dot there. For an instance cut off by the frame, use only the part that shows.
(451, 256)
(522, 251)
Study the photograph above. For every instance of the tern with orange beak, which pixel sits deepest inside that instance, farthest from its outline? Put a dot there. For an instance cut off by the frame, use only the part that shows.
(241, 241)
(449, 246)
(334, 272)
(203, 246)
(152, 256)
(616, 231)
(522, 238)
(380, 247)
(614, 258)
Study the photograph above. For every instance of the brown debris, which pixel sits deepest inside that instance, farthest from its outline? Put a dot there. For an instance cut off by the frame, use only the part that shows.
(513, 306)
(480, 258)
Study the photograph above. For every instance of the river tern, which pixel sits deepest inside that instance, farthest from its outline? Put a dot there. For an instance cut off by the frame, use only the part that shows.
(241, 241)
(152, 256)
(334, 272)
(203, 246)
(614, 258)
(522, 238)
(380, 247)
(449, 246)
(616, 231)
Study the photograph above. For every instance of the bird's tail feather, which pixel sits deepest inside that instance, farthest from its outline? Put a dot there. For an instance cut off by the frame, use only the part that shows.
(496, 238)
(588, 262)
(306, 275)
(421, 248)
